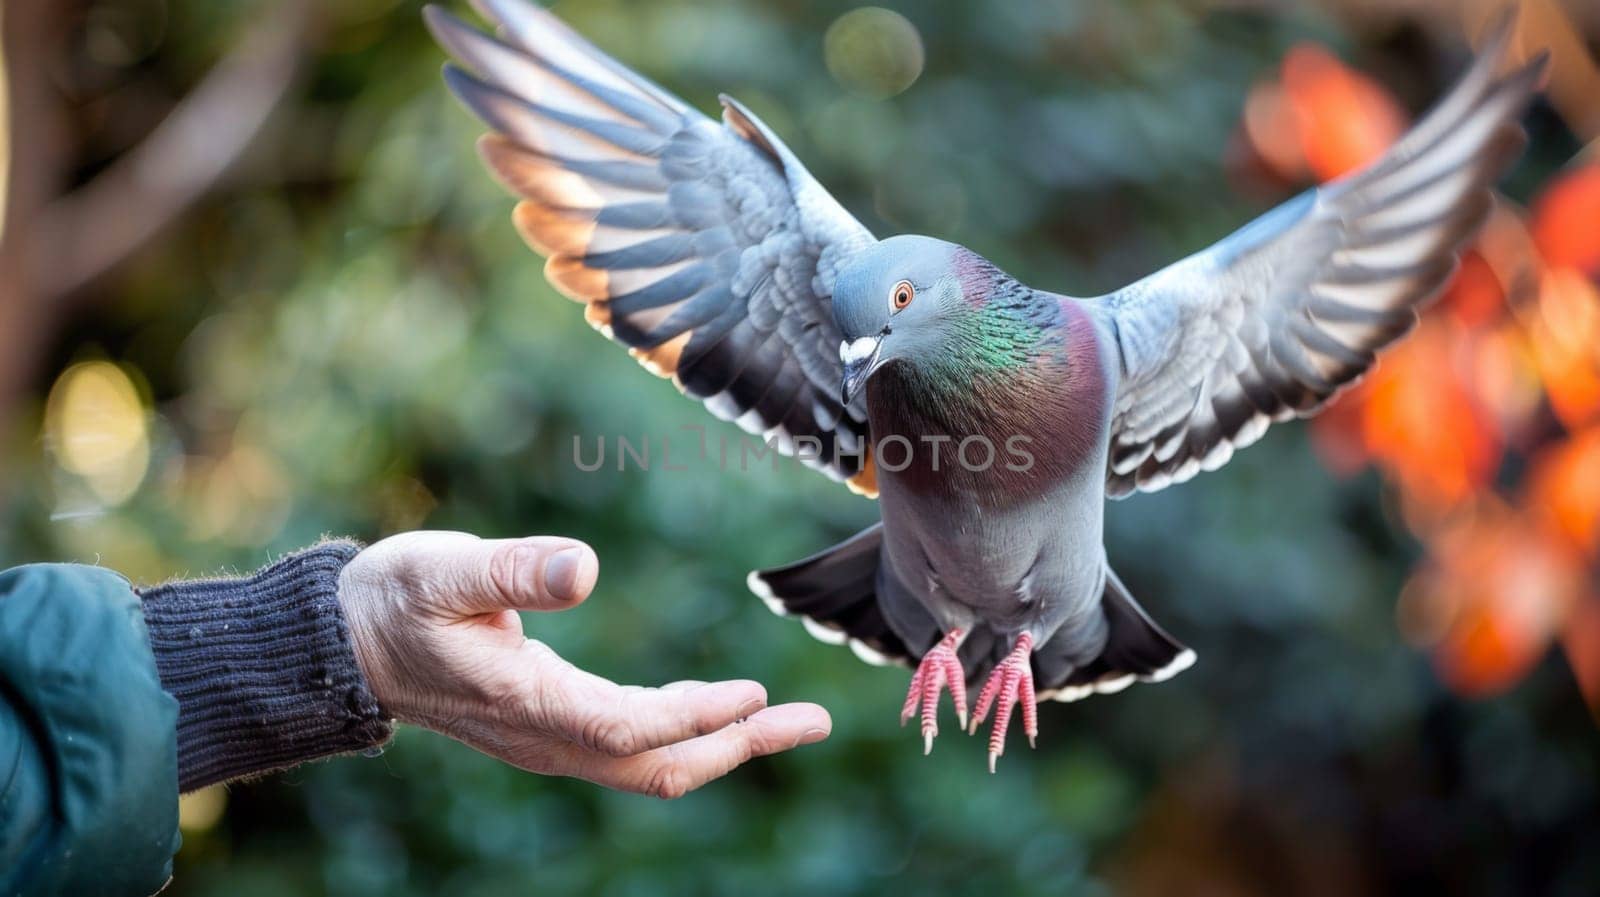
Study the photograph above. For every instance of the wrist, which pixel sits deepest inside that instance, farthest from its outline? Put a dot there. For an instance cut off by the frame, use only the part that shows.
(263, 668)
(359, 600)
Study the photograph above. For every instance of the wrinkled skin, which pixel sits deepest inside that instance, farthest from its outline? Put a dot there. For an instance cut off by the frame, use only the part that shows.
(434, 618)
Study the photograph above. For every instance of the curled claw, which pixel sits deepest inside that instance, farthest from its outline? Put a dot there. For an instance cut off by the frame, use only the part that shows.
(940, 668)
(913, 696)
(985, 700)
(1030, 711)
(1009, 684)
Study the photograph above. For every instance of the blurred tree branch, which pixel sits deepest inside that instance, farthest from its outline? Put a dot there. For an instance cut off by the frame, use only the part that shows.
(55, 242)
(82, 235)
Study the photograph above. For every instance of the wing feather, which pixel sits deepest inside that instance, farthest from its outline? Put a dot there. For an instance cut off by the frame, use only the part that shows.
(1276, 319)
(707, 250)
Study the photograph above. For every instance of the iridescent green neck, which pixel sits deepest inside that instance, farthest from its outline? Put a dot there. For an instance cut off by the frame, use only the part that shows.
(1029, 371)
(999, 339)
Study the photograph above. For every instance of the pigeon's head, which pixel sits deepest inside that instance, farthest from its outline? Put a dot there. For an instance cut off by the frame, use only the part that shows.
(893, 302)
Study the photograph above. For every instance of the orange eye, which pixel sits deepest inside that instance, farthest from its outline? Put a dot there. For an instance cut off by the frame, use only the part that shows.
(903, 291)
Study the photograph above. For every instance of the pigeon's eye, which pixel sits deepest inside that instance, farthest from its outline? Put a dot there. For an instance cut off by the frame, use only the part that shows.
(901, 297)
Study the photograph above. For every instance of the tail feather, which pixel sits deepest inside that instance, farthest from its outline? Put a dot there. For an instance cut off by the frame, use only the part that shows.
(835, 594)
(1137, 650)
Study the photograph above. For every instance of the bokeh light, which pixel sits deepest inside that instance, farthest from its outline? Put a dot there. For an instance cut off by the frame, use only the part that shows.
(1566, 220)
(98, 429)
(1482, 418)
(240, 498)
(200, 811)
(874, 51)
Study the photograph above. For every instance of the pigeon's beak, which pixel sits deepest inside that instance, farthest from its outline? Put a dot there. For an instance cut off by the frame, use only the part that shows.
(860, 359)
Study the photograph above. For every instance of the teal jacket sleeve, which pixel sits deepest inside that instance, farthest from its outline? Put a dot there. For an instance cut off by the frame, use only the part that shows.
(88, 750)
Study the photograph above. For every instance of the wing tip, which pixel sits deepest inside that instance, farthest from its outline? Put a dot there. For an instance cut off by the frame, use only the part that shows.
(577, 281)
(434, 16)
(449, 30)
(474, 93)
(550, 232)
(1495, 35)
(662, 360)
(1536, 69)
(456, 77)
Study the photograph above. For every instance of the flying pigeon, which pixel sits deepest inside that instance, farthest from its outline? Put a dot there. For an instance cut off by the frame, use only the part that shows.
(992, 419)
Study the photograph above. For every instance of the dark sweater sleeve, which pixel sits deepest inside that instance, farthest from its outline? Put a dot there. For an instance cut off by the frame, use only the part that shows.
(262, 667)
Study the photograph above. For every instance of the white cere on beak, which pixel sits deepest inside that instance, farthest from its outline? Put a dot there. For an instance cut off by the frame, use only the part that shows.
(857, 351)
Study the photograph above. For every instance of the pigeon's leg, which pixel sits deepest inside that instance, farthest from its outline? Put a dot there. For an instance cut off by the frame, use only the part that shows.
(939, 668)
(1010, 684)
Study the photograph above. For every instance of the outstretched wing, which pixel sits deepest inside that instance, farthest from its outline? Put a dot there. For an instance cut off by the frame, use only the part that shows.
(1276, 319)
(706, 249)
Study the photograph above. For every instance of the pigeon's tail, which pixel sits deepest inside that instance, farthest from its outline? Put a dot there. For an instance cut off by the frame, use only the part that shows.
(1137, 650)
(835, 593)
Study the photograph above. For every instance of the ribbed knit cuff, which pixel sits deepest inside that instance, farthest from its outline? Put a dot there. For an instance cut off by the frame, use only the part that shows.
(262, 668)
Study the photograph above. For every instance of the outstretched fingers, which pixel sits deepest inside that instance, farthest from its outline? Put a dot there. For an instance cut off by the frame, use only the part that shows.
(621, 721)
(675, 770)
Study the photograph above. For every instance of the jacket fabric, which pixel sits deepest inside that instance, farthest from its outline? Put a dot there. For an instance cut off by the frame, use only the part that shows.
(113, 699)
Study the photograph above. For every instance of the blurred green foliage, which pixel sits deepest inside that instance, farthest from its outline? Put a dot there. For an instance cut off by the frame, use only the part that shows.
(353, 340)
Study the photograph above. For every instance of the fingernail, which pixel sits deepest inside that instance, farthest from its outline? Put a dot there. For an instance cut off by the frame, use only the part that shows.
(810, 736)
(561, 573)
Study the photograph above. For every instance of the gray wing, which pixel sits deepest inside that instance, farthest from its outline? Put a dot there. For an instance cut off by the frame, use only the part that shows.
(1276, 319)
(705, 248)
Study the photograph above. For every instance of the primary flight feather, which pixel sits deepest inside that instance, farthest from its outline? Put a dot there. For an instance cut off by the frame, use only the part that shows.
(992, 419)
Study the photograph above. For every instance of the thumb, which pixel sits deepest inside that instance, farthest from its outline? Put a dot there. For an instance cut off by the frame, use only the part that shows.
(539, 573)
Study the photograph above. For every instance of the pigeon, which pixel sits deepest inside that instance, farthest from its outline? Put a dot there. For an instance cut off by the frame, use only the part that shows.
(991, 419)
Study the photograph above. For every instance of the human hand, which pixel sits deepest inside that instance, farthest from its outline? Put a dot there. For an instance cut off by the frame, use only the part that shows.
(433, 617)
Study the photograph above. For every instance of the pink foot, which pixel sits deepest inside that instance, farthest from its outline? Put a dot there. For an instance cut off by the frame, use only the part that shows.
(1012, 683)
(939, 668)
